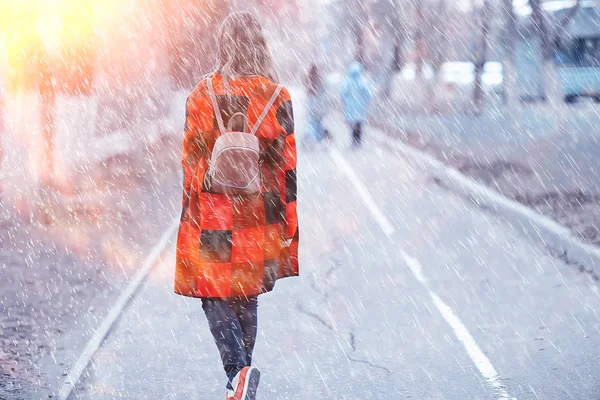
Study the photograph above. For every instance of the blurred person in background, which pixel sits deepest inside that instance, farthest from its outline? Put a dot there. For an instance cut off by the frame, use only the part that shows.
(317, 106)
(356, 96)
(233, 247)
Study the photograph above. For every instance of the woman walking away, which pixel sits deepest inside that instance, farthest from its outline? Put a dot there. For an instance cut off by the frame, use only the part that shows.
(355, 98)
(315, 90)
(239, 229)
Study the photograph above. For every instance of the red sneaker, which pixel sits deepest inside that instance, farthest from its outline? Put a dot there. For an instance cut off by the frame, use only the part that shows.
(245, 384)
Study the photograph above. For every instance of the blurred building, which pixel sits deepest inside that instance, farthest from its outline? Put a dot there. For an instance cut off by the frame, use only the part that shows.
(577, 58)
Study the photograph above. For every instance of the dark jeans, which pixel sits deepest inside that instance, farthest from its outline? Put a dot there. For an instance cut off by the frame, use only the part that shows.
(356, 133)
(233, 324)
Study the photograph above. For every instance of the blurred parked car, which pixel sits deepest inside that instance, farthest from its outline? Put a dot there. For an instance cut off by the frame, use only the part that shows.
(461, 74)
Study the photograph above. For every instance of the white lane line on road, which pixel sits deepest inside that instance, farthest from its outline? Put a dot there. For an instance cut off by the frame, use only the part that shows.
(483, 364)
(415, 267)
(115, 312)
(363, 192)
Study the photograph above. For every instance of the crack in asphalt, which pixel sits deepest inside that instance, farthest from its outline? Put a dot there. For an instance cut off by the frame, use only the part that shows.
(336, 264)
(315, 316)
(369, 363)
(357, 360)
(352, 341)
(325, 294)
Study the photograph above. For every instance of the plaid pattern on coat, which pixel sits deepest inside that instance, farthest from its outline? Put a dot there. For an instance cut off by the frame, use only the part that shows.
(236, 245)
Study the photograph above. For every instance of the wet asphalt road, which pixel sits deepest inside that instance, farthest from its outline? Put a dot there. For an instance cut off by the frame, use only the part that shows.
(447, 302)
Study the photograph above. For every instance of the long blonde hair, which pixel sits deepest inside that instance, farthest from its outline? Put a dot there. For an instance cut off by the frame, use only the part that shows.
(242, 49)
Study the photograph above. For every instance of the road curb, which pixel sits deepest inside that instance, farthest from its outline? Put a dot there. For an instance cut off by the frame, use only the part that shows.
(557, 238)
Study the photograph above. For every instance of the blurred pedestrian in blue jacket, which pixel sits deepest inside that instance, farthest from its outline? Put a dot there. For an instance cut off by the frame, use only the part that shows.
(355, 98)
(317, 105)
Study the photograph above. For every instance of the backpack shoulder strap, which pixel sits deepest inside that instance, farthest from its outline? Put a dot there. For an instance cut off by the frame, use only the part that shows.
(266, 109)
(217, 111)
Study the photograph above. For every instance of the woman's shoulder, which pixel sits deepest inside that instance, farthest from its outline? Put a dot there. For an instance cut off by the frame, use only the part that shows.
(264, 89)
(193, 104)
(200, 91)
(257, 87)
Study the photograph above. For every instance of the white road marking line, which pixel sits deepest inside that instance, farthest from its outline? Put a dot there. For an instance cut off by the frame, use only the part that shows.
(483, 364)
(415, 267)
(363, 192)
(113, 315)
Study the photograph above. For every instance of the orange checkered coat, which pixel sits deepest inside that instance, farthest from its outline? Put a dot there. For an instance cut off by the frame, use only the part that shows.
(234, 245)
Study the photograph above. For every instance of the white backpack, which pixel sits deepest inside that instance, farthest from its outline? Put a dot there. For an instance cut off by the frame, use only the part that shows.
(235, 164)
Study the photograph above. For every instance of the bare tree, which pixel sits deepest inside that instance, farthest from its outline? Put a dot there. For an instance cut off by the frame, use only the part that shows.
(398, 55)
(419, 38)
(508, 42)
(399, 36)
(437, 47)
(392, 35)
(480, 56)
(418, 86)
(549, 39)
(357, 16)
(430, 38)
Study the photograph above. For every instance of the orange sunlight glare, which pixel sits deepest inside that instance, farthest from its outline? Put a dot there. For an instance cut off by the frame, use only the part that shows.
(51, 26)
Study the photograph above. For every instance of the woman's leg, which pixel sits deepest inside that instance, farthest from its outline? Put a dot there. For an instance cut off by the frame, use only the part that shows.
(320, 129)
(228, 334)
(311, 128)
(247, 314)
(356, 133)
